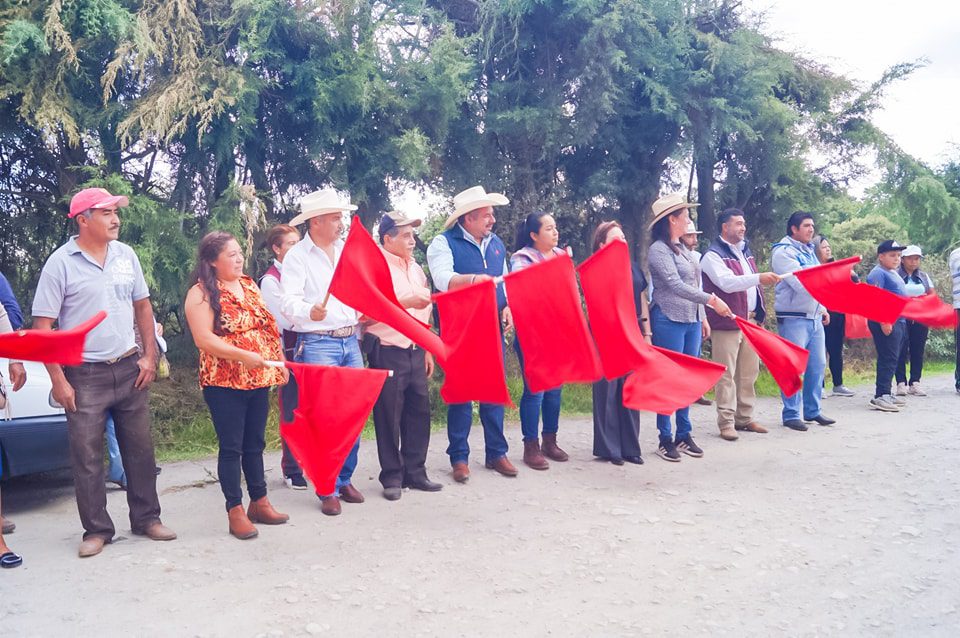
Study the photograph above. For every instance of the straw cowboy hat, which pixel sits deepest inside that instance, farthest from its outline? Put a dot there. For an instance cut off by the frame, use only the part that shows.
(692, 229)
(321, 202)
(669, 204)
(472, 199)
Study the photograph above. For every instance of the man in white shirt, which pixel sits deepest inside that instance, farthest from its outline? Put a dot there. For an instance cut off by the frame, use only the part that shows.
(730, 272)
(328, 330)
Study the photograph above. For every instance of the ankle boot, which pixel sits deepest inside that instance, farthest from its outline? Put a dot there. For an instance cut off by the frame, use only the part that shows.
(551, 450)
(240, 525)
(261, 511)
(532, 455)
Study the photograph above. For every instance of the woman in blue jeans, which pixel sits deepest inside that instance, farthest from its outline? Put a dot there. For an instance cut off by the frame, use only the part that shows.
(675, 313)
(537, 241)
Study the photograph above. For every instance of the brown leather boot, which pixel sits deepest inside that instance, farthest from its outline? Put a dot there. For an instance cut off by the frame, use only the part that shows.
(551, 450)
(533, 457)
(240, 525)
(503, 466)
(461, 472)
(261, 511)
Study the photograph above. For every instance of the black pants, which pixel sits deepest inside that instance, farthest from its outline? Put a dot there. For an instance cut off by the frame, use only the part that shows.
(240, 419)
(956, 340)
(888, 352)
(288, 397)
(401, 416)
(914, 344)
(833, 334)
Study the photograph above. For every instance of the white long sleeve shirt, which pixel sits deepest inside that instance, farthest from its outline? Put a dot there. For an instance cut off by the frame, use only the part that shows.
(713, 267)
(272, 294)
(307, 272)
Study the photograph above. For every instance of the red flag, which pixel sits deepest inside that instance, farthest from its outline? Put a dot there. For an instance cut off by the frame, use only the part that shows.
(830, 284)
(333, 407)
(930, 311)
(470, 329)
(362, 281)
(545, 303)
(664, 381)
(49, 346)
(855, 327)
(786, 361)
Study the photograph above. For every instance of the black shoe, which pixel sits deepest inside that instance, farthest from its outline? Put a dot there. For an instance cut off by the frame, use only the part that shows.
(615, 460)
(392, 493)
(636, 460)
(668, 451)
(796, 424)
(688, 447)
(295, 482)
(822, 420)
(157, 469)
(424, 485)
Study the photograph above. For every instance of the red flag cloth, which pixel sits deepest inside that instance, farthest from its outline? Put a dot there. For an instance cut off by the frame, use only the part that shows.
(786, 361)
(855, 327)
(830, 284)
(664, 381)
(362, 281)
(333, 407)
(49, 346)
(930, 311)
(545, 303)
(470, 329)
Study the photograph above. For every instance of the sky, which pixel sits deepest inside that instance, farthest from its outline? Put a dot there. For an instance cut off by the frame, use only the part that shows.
(860, 39)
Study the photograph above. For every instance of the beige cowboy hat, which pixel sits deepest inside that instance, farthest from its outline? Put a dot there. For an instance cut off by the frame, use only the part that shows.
(692, 229)
(669, 204)
(321, 202)
(472, 199)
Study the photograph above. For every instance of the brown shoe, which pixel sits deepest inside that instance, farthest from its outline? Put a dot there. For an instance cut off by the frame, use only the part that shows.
(461, 472)
(753, 426)
(240, 525)
(330, 505)
(91, 546)
(729, 434)
(158, 532)
(503, 466)
(551, 450)
(350, 494)
(532, 456)
(261, 511)
(7, 526)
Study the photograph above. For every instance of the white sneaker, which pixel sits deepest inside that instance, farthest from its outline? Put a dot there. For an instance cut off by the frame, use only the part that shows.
(882, 404)
(916, 390)
(842, 391)
(897, 401)
(901, 390)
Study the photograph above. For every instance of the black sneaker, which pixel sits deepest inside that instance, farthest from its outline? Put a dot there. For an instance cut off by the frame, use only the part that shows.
(668, 451)
(688, 447)
(295, 482)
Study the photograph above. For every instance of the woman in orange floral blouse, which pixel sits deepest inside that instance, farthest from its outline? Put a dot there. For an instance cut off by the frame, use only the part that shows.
(236, 335)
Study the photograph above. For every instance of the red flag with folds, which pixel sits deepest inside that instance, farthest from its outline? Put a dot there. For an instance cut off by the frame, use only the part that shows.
(930, 311)
(557, 346)
(786, 361)
(470, 329)
(830, 284)
(362, 281)
(855, 327)
(333, 407)
(664, 381)
(49, 346)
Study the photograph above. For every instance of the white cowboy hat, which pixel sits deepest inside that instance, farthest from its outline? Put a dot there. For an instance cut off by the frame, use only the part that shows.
(321, 202)
(692, 229)
(472, 199)
(669, 204)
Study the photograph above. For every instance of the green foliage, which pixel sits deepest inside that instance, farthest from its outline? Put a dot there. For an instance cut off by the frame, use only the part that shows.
(861, 236)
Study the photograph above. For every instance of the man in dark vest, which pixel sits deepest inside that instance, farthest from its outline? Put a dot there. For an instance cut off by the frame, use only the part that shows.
(468, 252)
(730, 272)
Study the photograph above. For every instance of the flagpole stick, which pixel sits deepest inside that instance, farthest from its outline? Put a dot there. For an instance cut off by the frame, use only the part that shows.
(326, 298)
(281, 364)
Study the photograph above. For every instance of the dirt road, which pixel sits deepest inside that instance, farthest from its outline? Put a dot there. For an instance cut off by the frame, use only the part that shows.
(845, 530)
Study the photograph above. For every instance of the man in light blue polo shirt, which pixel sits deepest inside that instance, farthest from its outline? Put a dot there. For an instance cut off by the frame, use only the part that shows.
(93, 272)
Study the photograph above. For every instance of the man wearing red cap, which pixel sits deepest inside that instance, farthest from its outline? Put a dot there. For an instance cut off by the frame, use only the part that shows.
(93, 272)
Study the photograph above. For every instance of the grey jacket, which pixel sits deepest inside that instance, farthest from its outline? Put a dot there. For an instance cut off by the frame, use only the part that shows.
(675, 278)
(792, 299)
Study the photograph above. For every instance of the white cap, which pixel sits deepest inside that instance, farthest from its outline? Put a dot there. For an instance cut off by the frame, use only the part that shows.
(911, 251)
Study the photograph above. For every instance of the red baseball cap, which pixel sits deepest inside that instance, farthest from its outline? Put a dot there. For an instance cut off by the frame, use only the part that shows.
(94, 198)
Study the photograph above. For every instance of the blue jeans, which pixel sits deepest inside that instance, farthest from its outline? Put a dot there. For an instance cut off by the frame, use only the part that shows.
(331, 351)
(459, 420)
(532, 403)
(115, 472)
(679, 337)
(806, 333)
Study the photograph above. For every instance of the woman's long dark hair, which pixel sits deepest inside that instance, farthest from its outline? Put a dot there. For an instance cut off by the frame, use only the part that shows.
(531, 224)
(661, 231)
(209, 250)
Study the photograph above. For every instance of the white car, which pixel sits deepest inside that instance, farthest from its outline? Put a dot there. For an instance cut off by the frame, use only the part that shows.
(33, 429)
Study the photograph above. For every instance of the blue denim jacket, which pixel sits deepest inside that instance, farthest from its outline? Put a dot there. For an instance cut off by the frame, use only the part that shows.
(792, 299)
